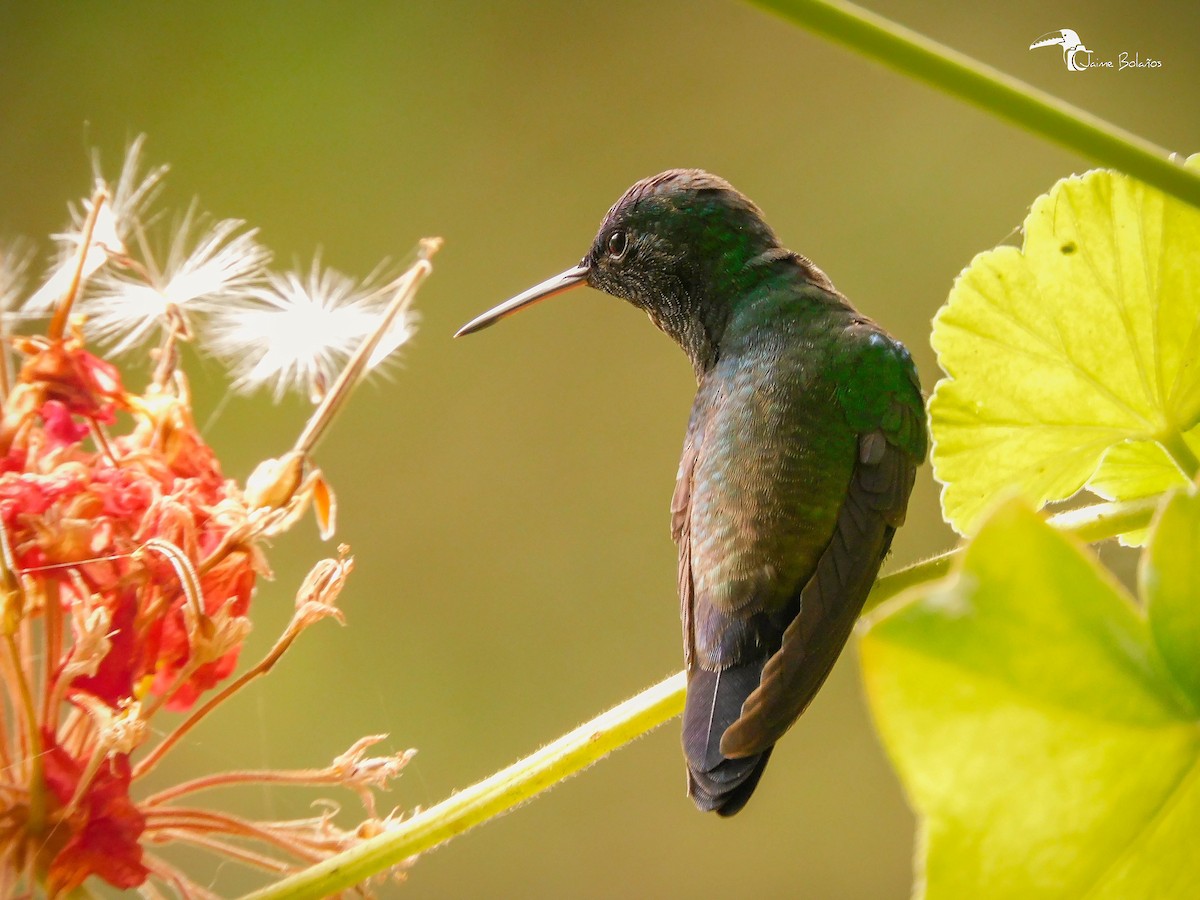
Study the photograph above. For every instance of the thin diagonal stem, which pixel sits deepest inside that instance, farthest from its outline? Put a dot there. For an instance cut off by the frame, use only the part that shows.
(993, 91)
(264, 665)
(23, 703)
(62, 313)
(489, 798)
(1097, 522)
(599, 737)
(405, 290)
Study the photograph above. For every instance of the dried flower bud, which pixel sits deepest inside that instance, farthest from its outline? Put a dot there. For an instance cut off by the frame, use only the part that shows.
(274, 482)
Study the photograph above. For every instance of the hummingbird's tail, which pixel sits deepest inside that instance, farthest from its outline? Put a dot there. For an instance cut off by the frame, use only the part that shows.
(714, 702)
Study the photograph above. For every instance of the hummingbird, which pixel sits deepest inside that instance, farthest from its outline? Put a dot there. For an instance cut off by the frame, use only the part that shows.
(801, 451)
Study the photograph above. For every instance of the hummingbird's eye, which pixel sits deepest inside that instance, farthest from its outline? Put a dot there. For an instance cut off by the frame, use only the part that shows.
(617, 244)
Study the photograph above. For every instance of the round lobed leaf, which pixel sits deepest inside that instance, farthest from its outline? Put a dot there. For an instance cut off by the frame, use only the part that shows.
(1086, 337)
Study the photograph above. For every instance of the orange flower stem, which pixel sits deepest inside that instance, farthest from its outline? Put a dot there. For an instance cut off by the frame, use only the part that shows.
(52, 655)
(58, 325)
(32, 737)
(14, 602)
(6, 735)
(95, 760)
(186, 671)
(153, 758)
(100, 436)
(5, 363)
(230, 541)
(13, 742)
(55, 697)
(184, 886)
(73, 733)
(305, 777)
(199, 821)
(166, 358)
(189, 582)
(232, 851)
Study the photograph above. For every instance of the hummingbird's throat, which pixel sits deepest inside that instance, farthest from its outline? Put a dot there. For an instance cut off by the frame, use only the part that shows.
(687, 326)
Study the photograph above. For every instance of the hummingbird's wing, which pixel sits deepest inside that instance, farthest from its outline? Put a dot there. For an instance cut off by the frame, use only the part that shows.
(714, 698)
(681, 533)
(724, 580)
(880, 397)
(831, 600)
(770, 584)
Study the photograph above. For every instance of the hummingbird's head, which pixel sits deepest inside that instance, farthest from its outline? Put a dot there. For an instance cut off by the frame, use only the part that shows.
(684, 231)
(682, 245)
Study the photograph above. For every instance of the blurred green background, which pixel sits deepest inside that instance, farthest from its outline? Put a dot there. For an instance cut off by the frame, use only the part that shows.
(506, 496)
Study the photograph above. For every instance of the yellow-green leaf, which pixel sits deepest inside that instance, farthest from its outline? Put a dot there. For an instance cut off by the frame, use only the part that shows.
(1134, 469)
(1087, 336)
(1041, 738)
(1169, 580)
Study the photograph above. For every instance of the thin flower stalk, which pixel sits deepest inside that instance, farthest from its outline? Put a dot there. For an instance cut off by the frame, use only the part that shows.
(123, 212)
(283, 488)
(367, 355)
(80, 271)
(303, 618)
(298, 332)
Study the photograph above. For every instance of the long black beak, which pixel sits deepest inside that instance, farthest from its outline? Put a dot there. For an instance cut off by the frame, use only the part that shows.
(563, 281)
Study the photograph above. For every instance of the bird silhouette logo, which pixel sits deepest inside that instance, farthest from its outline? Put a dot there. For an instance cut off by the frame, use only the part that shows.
(1075, 55)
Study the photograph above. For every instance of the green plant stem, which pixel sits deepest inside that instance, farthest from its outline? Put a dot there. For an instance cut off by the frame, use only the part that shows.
(619, 726)
(896, 582)
(1097, 522)
(1102, 521)
(1181, 452)
(489, 798)
(1002, 95)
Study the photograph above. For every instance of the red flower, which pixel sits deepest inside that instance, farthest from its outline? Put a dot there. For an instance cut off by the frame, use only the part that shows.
(76, 517)
(60, 427)
(227, 591)
(128, 658)
(102, 831)
(128, 566)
